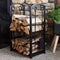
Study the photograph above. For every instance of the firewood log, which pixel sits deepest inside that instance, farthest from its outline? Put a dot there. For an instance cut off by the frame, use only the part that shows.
(26, 30)
(14, 47)
(26, 49)
(25, 22)
(38, 1)
(17, 48)
(41, 1)
(28, 45)
(44, 1)
(30, 1)
(38, 39)
(34, 51)
(18, 27)
(34, 47)
(16, 9)
(18, 1)
(20, 49)
(13, 44)
(19, 44)
(16, 41)
(13, 18)
(17, 20)
(12, 25)
(22, 28)
(12, 41)
(13, 29)
(15, 25)
(26, 53)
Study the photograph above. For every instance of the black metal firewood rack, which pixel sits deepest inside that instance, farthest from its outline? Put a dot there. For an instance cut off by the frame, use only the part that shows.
(36, 7)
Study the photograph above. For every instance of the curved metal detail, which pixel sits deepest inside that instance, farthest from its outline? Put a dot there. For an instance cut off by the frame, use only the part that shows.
(38, 4)
(16, 4)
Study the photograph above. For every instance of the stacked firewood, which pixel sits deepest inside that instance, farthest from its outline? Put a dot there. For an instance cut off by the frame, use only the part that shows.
(22, 24)
(23, 45)
(29, 1)
(19, 26)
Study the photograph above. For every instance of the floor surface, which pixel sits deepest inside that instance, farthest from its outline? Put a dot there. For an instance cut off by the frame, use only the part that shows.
(6, 54)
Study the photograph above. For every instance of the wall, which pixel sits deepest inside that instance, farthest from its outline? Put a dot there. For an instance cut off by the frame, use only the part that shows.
(4, 23)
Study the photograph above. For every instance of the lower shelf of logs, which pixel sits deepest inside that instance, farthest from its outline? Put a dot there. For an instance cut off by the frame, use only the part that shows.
(23, 45)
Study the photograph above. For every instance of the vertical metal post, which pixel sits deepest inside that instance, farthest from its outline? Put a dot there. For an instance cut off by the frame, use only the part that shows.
(24, 10)
(10, 41)
(10, 11)
(44, 24)
(35, 19)
(30, 32)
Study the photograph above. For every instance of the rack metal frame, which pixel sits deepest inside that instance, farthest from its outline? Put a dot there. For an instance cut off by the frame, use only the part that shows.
(31, 6)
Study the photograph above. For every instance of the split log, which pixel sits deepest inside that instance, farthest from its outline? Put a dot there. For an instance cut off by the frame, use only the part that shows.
(13, 43)
(30, 1)
(13, 26)
(16, 42)
(25, 22)
(26, 30)
(13, 18)
(22, 28)
(18, 1)
(26, 53)
(17, 21)
(19, 44)
(34, 51)
(13, 29)
(36, 1)
(18, 27)
(28, 45)
(20, 49)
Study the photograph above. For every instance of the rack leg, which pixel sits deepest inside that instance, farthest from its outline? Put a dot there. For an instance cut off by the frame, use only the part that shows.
(55, 45)
(30, 57)
(10, 42)
(11, 47)
(53, 41)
